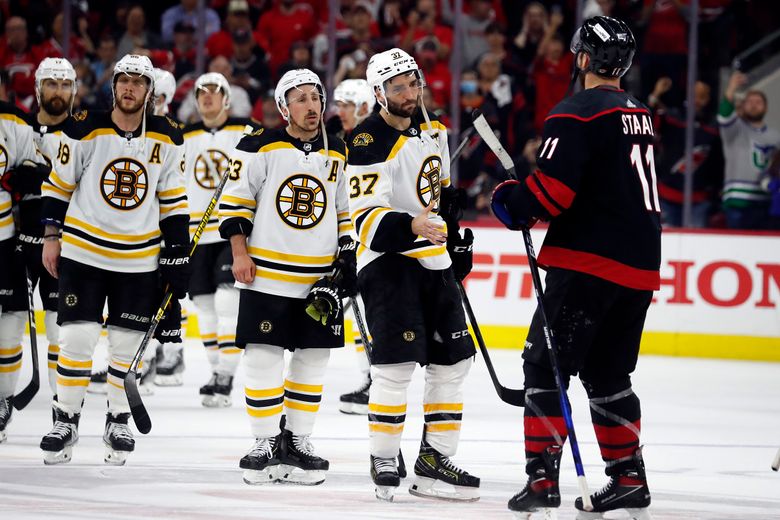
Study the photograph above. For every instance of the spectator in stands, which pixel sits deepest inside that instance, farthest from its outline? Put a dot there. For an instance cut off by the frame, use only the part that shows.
(299, 58)
(249, 68)
(670, 156)
(240, 106)
(221, 43)
(422, 22)
(136, 34)
(598, 8)
(510, 61)
(287, 22)
(79, 45)
(665, 47)
(437, 74)
(103, 68)
(85, 95)
(551, 71)
(362, 32)
(770, 181)
(353, 66)
(390, 19)
(184, 51)
(187, 13)
(19, 60)
(475, 23)
(748, 146)
(532, 31)
(266, 112)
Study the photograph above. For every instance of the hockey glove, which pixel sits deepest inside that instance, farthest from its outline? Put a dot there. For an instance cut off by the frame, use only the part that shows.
(345, 267)
(462, 253)
(169, 328)
(323, 303)
(451, 206)
(175, 269)
(501, 204)
(25, 179)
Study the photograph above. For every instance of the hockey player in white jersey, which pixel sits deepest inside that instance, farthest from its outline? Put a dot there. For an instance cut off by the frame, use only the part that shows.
(20, 165)
(398, 165)
(207, 148)
(115, 193)
(285, 214)
(164, 90)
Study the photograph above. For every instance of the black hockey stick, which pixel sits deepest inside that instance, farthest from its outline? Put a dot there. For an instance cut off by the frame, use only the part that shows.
(484, 130)
(140, 415)
(24, 397)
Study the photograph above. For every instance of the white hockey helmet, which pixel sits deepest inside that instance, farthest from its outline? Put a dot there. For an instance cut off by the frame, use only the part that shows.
(294, 79)
(164, 85)
(55, 68)
(214, 78)
(134, 64)
(357, 92)
(387, 65)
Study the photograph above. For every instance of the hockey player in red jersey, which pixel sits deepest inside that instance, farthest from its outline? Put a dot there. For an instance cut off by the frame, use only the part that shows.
(596, 185)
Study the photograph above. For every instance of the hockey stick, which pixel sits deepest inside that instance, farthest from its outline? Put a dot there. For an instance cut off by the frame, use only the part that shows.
(24, 397)
(484, 130)
(140, 415)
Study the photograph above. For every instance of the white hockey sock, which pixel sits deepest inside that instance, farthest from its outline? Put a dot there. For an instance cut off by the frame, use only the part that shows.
(264, 369)
(387, 407)
(11, 333)
(122, 345)
(207, 325)
(77, 343)
(303, 388)
(53, 335)
(226, 305)
(443, 405)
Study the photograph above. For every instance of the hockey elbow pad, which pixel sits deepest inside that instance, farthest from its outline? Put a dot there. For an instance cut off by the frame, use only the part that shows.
(235, 226)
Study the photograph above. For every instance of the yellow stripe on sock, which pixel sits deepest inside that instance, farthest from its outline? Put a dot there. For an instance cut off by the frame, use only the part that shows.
(266, 412)
(386, 408)
(230, 350)
(74, 364)
(10, 351)
(11, 368)
(300, 387)
(73, 382)
(265, 392)
(442, 407)
(442, 427)
(295, 405)
(391, 429)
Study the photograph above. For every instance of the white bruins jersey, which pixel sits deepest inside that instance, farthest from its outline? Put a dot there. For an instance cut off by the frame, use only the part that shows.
(16, 146)
(296, 205)
(206, 157)
(110, 190)
(393, 176)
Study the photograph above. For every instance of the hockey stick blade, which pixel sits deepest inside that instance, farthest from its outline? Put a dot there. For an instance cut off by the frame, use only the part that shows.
(140, 416)
(24, 397)
(487, 135)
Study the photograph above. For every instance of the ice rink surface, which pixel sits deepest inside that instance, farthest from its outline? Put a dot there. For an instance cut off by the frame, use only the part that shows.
(710, 430)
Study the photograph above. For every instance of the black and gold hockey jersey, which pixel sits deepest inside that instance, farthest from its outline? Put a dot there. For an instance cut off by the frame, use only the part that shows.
(206, 157)
(291, 202)
(597, 184)
(112, 190)
(393, 176)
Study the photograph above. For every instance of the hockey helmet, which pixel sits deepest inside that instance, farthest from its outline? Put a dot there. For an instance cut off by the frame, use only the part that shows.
(164, 85)
(138, 65)
(293, 80)
(357, 92)
(214, 78)
(609, 43)
(54, 68)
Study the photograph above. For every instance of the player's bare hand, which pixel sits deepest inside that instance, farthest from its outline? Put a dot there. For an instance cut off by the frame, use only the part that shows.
(430, 230)
(51, 256)
(243, 268)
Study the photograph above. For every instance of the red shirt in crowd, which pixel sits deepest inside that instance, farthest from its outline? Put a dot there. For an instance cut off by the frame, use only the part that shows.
(51, 48)
(552, 82)
(278, 31)
(438, 81)
(21, 70)
(667, 29)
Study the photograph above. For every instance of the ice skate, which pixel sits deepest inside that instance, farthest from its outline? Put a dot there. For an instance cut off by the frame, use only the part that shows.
(118, 439)
(219, 387)
(146, 377)
(261, 464)
(386, 477)
(438, 477)
(298, 462)
(626, 490)
(356, 403)
(57, 445)
(98, 381)
(207, 391)
(6, 410)
(541, 493)
(170, 371)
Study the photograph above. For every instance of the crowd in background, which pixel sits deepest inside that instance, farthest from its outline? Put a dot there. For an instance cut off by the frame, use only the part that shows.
(515, 66)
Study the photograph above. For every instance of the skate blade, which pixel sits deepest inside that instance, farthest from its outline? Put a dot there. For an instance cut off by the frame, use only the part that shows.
(97, 388)
(115, 457)
(58, 457)
(3, 436)
(295, 475)
(639, 513)
(385, 493)
(547, 513)
(217, 401)
(432, 488)
(353, 408)
(166, 380)
(255, 477)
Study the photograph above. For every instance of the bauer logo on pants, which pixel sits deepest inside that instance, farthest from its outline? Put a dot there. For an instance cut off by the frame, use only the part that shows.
(124, 183)
(301, 201)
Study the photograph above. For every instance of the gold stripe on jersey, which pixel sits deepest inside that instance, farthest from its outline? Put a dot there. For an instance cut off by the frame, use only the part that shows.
(50, 189)
(434, 124)
(13, 118)
(79, 224)
(262, 272)
(175, 192)
(167, 209)
(261, 253)
(397, 147)
(4, 206)
(426, 252)
(61, 184)
(249, 203)
(110, 253)
(368, 224)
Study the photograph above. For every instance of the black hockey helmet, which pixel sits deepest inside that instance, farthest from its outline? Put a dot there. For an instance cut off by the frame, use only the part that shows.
(609, 43)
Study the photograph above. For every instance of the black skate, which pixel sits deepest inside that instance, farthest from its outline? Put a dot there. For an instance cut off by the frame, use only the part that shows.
(216, 393)
(118, 439)
(541, 492)
(386, 477)
(356, 403)
(298, 463)
(6, 410)
(438, 477)
(98, 382)
(57, 445)
(261, 464)
(627, 489)
(170, 371)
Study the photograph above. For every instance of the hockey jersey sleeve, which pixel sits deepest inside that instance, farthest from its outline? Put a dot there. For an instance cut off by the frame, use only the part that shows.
(239, 200)
(727, 121)
(71, 160)
(172, 196)
(342, 207)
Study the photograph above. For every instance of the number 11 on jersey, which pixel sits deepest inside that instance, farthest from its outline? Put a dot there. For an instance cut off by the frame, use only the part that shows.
(652, 186)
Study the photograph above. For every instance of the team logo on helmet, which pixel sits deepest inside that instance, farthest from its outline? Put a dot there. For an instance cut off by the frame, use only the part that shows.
(363, 139)
(205, 165)
(124, 183)
(429, 180)
(301, 201)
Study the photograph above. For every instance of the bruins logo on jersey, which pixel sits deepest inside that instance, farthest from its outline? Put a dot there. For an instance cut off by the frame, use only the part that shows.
(363, 139)
(301, 201)
(3, 159)
(429, 180)
(124, 183)
(214, 159)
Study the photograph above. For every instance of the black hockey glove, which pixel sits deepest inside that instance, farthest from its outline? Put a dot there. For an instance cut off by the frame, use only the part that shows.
(461, 252)
(451, 205)
(345, 265)
(175, 269)
(169, 328)
(323, 303)
(25, 179)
